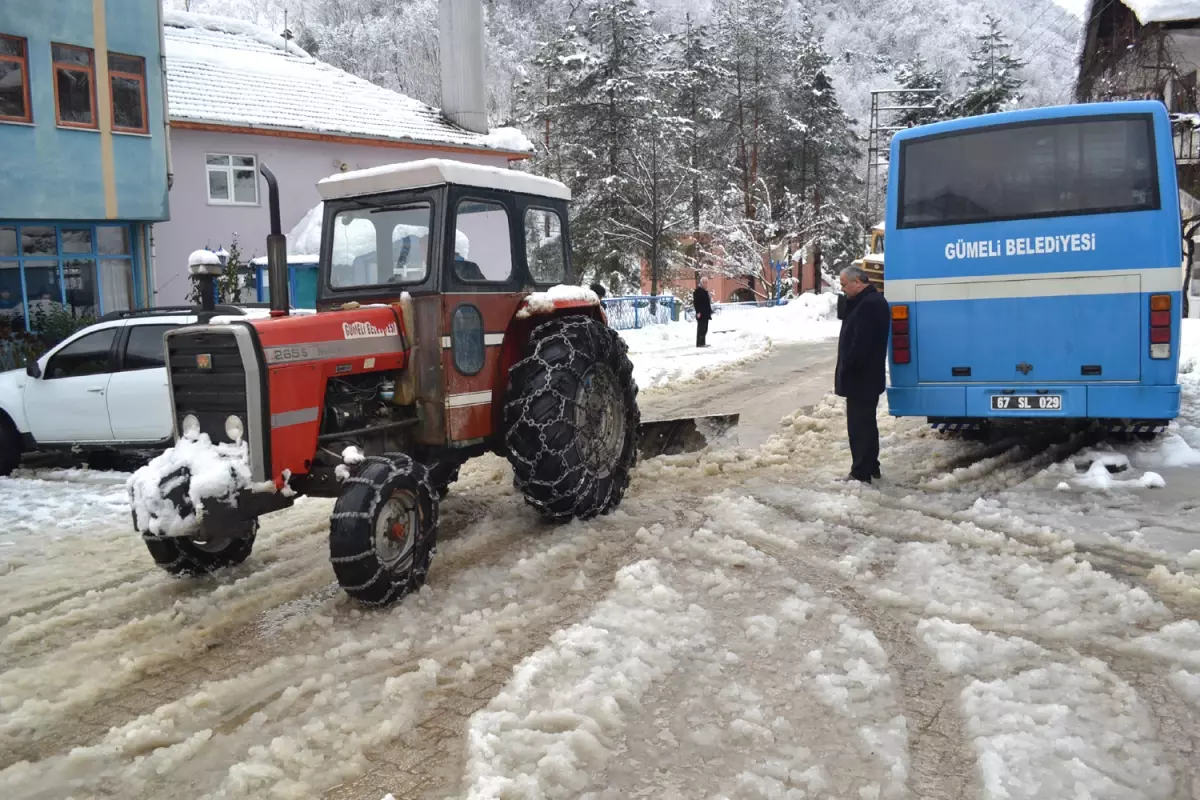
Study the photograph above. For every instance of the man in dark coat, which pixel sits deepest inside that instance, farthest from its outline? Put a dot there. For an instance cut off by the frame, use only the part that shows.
(861, 374)
(702, 302)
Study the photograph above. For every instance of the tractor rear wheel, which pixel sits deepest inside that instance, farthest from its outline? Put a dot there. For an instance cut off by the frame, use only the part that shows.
(383, 529)
(571, 419)
(182, 556)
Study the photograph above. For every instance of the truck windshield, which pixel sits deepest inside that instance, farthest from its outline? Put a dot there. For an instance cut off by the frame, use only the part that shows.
(1028, 170)
(378, 246)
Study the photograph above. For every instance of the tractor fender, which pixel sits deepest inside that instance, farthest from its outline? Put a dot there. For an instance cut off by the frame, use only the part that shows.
(516, 336)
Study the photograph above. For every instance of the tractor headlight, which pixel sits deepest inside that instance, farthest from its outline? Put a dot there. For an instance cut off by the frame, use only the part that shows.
(190, 427)
(235, 429)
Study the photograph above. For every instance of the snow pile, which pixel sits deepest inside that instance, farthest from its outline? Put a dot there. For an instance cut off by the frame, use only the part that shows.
(200, 260)
(667, 354)
(561, 716)
(48, 503)
(546, 302)
(507, 139)
(1042, 728)
(807, 318)
(210, 472)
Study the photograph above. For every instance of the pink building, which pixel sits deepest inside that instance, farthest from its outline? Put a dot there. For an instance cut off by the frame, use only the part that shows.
(240, 96)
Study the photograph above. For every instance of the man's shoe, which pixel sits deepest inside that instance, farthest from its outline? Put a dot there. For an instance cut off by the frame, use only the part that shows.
(852, 478)
(876, 474)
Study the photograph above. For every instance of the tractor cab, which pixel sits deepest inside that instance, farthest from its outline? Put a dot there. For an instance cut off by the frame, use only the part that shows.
(463, 246)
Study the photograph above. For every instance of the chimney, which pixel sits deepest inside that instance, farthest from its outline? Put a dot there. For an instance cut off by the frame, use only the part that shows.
(464, 99)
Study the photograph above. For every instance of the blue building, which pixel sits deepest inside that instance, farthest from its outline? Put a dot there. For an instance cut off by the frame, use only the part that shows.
(84, 156)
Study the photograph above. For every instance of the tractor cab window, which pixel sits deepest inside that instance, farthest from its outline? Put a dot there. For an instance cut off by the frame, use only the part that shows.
(544, 249)
(483, 246)
(380, 246)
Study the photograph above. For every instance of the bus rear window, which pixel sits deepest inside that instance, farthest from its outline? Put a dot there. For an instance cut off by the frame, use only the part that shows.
(1098, 165)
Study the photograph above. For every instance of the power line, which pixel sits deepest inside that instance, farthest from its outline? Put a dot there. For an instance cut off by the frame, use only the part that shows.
(1049, 5)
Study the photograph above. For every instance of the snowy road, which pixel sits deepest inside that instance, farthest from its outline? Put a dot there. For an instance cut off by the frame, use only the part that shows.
(761, 391)
(992, 621)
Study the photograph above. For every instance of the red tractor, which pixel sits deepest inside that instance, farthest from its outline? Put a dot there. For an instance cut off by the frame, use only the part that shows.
(446, 329)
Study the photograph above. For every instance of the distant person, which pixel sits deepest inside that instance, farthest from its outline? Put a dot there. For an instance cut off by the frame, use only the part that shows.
(860, 375)
(702, 303)
(599, 290)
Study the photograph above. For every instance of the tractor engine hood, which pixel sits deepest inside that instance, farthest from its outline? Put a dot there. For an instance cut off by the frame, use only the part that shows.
(346, 342)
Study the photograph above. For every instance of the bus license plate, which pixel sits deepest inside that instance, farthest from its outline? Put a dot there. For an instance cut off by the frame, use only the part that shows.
(1026, 402)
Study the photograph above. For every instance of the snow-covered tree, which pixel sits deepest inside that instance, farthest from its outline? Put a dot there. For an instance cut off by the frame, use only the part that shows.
(994, 79)
(595, 85)
(926, 99)
(695, 73)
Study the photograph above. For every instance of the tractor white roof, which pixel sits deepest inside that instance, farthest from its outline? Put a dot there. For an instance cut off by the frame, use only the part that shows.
(436, 172)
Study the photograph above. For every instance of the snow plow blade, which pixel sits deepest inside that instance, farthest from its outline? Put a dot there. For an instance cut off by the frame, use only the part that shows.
(672, 437)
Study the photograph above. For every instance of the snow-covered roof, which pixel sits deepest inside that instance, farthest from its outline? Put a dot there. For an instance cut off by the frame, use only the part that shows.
(435, 172)
(1148, 11)
(228, 72)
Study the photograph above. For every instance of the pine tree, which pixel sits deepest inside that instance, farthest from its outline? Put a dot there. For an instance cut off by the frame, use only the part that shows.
(994, 79)
(595, 90)
(816, 152)
(914, 75)
(695, 74)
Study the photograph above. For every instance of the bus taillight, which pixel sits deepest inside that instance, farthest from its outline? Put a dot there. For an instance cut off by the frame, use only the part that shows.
(1160, 326)
(901, 354)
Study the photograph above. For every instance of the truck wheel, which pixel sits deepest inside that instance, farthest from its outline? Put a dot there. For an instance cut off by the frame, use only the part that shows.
(10, 447)
(383, 530)
(571, 419)
(180, 556)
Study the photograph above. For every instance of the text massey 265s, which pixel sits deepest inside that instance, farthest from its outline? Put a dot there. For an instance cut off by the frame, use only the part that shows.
(445, 330)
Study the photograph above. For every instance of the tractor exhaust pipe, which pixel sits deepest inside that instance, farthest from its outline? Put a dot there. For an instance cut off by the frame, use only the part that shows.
(277, 262)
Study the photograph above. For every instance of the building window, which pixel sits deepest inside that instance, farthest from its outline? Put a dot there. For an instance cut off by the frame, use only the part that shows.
(232, 180)
(14, 80)
(127, 74)
(74, 86)
(50, 271)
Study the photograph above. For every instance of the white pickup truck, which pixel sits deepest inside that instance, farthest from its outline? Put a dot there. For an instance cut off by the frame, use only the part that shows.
(102, 388)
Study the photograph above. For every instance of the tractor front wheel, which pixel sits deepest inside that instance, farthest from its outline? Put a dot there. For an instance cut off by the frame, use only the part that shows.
(383, 530)
(571, 419)
(183, 556)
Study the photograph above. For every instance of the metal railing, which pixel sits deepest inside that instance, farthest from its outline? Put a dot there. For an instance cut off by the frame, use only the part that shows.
(640, 311)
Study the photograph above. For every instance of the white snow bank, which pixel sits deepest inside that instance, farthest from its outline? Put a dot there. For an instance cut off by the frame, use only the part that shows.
(212, 472)
(667, 354)
(1049, 729)
(1149, 11)
(807, 318)
(545, 302)
(561, 716)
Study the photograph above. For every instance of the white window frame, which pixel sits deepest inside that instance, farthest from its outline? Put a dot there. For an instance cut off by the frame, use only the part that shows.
(228, 169)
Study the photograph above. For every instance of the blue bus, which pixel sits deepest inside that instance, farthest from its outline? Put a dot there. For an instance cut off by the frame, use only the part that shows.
(1035, 268)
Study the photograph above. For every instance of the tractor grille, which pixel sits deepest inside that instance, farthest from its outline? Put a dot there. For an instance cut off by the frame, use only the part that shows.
(211, 394)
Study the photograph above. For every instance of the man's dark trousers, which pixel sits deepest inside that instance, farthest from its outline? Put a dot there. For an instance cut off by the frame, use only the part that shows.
(863, 428)
(701, 330)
